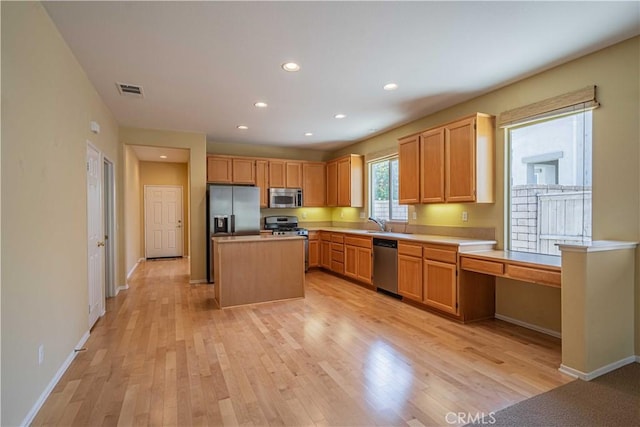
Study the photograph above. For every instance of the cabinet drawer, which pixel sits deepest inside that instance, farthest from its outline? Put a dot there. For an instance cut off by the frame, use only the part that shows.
(313, 235)
(337, 238)
(325, 236)
(440, 254)
(480, 266)
(363, 242)
(528, 274)
(409, 249)
(337, 256)
(338, 247)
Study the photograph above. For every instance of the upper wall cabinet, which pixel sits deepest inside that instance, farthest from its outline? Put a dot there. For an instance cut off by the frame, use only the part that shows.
(230, 170)
(455, 163)
(285, 174)
(314, 184)
(262, 181)
(345, 181)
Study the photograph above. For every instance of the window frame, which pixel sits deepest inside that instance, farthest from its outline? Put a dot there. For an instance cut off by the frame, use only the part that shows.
(509, 172)
(371, 199)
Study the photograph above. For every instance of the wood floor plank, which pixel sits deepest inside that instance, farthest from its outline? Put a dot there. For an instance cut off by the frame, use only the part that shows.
(344, 355)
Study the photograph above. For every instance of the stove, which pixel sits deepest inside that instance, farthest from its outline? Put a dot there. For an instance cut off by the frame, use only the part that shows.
(288, 226)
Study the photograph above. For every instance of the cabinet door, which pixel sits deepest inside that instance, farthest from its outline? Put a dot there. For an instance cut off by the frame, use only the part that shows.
(277, 174)
(293, 174)
(351, 261)
(243, 171)
(332, 183)
(344, 182)
(409, 173)
(262, 181)
(460, 168)
(440, 290)
(314, 253)
(314, 184)
(364, 265)
(325, 254)
(410, 277)
(432, 165)
(219, 169)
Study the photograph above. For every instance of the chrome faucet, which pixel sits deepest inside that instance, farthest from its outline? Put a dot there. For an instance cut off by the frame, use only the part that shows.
(381, 222)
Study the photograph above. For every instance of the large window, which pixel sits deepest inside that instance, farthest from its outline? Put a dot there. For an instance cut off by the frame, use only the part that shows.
(383, 191)
(550, 185)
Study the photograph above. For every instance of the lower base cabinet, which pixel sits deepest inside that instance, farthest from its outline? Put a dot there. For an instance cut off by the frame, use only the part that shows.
(314, 250)
(410, 277)
(440, 286)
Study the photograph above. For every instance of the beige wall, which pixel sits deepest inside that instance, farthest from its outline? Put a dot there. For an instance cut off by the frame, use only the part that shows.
(616, 136)
(133, 251)
(47, 105)
(197, 145)
(163, 173)
(250, 150)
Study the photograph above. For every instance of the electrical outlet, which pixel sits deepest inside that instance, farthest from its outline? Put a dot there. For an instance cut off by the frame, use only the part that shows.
(362, 215)
(465, 216)
(304, 215)
(41, 354)
(415, 215)
(341, 214)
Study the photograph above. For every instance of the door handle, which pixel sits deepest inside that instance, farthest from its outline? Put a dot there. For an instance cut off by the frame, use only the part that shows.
(100, 244)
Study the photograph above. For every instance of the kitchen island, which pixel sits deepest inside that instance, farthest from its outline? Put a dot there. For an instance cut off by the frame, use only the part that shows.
(254, 269)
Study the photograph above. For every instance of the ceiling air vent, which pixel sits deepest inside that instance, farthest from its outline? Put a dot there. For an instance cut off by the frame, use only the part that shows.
(130, 90)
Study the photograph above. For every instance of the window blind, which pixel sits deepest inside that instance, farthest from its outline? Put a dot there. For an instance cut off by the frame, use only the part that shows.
(578, 100)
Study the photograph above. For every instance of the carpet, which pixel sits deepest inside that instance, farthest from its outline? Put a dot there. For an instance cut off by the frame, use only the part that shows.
(610, 400)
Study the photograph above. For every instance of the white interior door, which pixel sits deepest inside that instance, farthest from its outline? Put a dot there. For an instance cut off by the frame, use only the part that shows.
(95, 234)
(163, 221)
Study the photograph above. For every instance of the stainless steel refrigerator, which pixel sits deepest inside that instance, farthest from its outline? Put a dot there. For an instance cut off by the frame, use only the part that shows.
(231, 211)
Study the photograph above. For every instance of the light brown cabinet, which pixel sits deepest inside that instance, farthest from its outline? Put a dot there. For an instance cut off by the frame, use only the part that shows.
(409, 177)
(219, 169)
(262, 181)
(314, 249)
(337, 253)
(314, 184)
(455, 163)
(358, 258)
(410, 271)
(231, 170)
(285, 174)
(325, 249)
(293, 174)
(345, 181)
(440, 287)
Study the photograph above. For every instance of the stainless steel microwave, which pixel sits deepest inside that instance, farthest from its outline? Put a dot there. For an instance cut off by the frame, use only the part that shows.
(285, 197)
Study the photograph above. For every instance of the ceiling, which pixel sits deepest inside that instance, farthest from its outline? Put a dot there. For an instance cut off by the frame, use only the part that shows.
(158, 154)
(203, 65)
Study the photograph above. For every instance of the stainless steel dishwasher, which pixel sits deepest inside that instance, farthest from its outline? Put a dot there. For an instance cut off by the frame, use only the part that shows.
(385, 264)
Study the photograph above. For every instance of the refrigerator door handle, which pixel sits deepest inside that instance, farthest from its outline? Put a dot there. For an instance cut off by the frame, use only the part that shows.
(233, 223)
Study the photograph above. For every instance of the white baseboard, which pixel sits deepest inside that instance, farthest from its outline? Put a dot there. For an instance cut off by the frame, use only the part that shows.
(134, 267)
(122, 288)
(529, 326)
(588, 376)
(47, 391)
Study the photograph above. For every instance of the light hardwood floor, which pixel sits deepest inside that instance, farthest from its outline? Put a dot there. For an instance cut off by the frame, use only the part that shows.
(344, 355)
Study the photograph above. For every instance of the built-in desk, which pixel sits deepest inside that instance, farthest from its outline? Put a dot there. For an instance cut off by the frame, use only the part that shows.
(541, 269)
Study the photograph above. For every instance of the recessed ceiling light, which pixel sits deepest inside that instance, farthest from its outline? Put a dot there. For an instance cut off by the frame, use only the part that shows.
(390, 86)
(163, 157)
(308, 134)
(291, 67)
(261, 104)
(340, 116)
(373, 130)
(242, 127)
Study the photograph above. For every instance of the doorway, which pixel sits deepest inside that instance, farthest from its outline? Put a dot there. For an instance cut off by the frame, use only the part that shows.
(95, 234)
(108, 178)
(163, 212)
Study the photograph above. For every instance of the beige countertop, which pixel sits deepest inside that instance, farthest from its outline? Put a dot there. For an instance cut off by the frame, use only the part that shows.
(256, 238)
(518, 257)
(418, 238)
